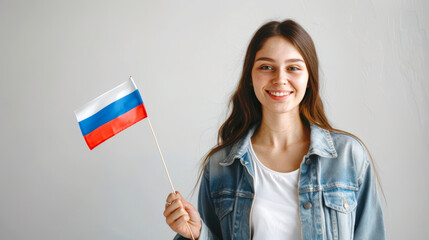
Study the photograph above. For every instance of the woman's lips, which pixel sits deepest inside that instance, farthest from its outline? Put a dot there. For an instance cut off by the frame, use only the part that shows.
(278, 95)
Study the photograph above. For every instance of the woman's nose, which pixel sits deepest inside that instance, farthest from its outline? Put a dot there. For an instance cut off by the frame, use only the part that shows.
(280, 78)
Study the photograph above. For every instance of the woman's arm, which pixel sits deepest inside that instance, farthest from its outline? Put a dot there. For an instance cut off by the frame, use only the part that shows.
(369, 215)
(207, 210)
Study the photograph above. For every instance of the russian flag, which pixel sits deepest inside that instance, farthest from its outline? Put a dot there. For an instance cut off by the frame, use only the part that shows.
(110, 113)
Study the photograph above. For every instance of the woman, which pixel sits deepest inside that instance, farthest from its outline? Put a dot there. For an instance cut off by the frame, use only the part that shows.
(280, 171)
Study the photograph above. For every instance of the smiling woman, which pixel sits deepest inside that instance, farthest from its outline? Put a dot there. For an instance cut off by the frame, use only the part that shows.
(280, 170)
(279, 76)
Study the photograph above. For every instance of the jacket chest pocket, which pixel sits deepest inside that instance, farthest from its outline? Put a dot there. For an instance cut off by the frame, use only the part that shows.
(223, 203)
(339, 213)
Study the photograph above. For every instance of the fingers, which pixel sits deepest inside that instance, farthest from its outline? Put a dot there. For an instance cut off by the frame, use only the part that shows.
(176, 215)
(179, 213)
(176, 209)
(192, 212)
(185, 203)
(171, 197)
(179, 222)
(176, 204)
(180, 196)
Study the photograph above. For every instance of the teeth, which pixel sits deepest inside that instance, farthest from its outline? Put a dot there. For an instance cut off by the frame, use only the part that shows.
(279, 94)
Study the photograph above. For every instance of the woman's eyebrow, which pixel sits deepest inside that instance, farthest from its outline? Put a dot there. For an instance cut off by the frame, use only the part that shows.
(271, 60)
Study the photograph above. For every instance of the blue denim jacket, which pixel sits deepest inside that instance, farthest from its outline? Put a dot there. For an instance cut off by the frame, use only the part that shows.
(336, 190)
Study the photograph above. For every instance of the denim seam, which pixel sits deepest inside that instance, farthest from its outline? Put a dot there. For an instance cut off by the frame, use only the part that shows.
(330, 187)
(362, 175)
(331, 143)
(231, 194)
(334, 223)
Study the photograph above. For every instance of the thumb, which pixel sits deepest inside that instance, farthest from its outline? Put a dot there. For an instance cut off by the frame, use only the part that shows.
(185, 203)
(192, 211)
(181, 198)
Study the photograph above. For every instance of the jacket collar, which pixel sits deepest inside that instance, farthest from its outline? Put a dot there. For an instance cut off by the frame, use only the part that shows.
(320, 144)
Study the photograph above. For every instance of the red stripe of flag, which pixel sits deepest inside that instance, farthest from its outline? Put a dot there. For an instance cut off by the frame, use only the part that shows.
(115, 126)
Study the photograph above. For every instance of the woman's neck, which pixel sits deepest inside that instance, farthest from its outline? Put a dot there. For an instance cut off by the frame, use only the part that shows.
(281, 130)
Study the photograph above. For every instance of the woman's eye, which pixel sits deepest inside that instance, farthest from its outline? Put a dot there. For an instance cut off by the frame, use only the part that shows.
(266, 67)
(293, 68)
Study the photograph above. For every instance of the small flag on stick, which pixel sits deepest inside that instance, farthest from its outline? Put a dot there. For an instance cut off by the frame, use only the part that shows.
(110, 113)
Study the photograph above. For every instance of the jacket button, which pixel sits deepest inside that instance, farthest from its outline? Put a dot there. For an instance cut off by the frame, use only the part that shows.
(308, 205)
(308, 161)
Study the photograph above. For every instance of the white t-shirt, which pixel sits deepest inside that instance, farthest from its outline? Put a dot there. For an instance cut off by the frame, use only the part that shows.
(275, 208)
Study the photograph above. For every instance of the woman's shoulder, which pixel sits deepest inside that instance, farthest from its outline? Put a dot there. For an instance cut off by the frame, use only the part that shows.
(350, 148)
(220, 154)
(351, 158)
(221, 163)
(341, 137)
(217, 158)
(335, 142)
(345, 139)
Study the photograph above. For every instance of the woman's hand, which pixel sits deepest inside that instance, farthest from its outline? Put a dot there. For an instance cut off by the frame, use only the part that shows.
(178, 212)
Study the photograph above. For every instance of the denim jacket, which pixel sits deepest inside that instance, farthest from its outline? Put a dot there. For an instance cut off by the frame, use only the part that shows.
(336, 189)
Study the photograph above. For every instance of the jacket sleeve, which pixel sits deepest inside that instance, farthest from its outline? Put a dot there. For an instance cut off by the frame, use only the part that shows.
(210, 226)
(369, 215)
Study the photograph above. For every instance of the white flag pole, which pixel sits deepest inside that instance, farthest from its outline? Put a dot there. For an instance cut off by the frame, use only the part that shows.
(165, 166)
(166, 170)
(159, 150)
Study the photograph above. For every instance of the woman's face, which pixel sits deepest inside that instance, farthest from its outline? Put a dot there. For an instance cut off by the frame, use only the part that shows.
(279, 76)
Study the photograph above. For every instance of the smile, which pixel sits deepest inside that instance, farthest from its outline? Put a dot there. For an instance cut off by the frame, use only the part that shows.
(279, 93)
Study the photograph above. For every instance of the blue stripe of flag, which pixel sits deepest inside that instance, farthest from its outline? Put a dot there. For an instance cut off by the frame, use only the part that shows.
(110, 112)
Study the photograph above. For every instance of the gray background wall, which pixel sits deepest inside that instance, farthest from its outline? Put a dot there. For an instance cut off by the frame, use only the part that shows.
(186, 58)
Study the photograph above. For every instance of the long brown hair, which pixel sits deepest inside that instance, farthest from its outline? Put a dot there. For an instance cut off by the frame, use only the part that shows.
(246, 109)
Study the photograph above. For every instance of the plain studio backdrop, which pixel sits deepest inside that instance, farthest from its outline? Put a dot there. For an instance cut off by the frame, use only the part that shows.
(186, 58)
